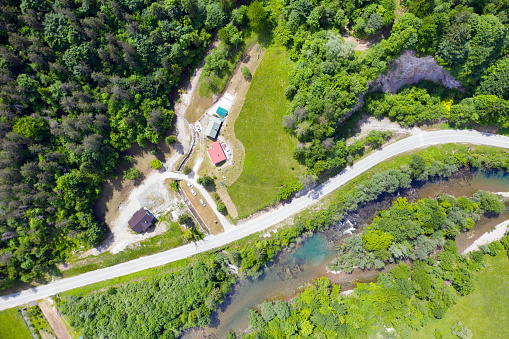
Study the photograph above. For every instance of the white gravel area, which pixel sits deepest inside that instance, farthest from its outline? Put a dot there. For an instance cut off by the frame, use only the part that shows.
(489, 237)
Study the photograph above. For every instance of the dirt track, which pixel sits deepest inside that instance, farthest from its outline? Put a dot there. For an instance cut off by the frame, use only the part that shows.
(54, 320)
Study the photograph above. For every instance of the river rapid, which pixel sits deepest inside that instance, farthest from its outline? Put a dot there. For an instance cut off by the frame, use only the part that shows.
(296, 267)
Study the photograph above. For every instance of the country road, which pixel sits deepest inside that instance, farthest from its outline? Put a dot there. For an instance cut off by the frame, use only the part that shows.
(258, 224)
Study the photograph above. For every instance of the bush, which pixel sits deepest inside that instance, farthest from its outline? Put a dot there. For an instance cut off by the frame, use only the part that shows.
(246, 73)
(185, 219)
(205, 180)
(221, 208)
(288, 189)
(171, 139)
(187, 170)
(156, 164)
(174, 185)
(131, 173)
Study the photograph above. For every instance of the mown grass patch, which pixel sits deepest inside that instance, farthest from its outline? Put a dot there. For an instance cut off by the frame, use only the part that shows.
(12, 325)
(268, 163)
(484, 312)
(170, 239)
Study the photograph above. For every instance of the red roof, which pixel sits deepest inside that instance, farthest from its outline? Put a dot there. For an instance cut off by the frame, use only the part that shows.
(216, 153)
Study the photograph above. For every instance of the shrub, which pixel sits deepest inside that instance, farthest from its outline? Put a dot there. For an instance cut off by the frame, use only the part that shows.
(205, 180)
(185, 219)
(131, 173)
(187, 170)
(171, 139)
(221, 208)
(174, 185)
(246, 73)
(156, 164)
(288, 189)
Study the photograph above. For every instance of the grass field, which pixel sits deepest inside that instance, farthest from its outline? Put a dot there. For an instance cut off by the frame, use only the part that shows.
(268, 146)
(485, 311)
(12, 325)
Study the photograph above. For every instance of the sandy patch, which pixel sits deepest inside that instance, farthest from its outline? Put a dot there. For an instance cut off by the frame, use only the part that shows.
(369, 123)
(496, 234)
(151, 194)
(54, 319)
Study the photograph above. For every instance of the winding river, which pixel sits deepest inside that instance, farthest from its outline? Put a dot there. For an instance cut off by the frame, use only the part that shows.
(296, 268)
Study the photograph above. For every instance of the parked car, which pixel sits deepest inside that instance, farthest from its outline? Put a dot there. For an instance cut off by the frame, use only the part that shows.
(203, 202)
(189, 184)
(193, 192)
(198, 127)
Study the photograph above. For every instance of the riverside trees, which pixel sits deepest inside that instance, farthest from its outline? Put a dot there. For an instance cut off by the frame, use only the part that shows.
(414, 230)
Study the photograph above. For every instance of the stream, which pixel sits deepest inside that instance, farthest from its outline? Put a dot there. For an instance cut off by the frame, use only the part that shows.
(295, 269)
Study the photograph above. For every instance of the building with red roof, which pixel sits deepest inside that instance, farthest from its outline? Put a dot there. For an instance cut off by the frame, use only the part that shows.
(216, 153)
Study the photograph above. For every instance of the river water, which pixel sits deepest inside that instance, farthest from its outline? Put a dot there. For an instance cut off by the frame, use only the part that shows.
(296, 268)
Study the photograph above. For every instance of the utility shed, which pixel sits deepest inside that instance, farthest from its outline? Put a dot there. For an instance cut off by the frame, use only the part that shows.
(221, 112)
(141, 220)
(213, 128)
(216, 153)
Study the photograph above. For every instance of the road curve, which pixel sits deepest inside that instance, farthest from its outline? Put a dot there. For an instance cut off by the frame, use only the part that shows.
(258, 224)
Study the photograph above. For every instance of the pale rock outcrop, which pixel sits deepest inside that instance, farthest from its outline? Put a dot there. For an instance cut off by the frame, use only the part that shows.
(409, 69)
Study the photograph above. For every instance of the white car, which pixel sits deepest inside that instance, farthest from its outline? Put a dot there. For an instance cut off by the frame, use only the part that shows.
(198, 127)
(203, 202)
(189, 184)
(193, 192)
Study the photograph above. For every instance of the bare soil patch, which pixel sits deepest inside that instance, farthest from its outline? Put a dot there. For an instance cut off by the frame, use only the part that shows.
(190, 104)
(54, 319)
(368, 123)
(363, 45)
(206, 213)
(120, 199)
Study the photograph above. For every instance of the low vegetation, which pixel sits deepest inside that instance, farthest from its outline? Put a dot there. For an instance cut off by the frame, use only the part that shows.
(414, 230)
(482, 312)
(12, 325)
(169, 304)
(252, 253)
(402, 301)
(268, 162)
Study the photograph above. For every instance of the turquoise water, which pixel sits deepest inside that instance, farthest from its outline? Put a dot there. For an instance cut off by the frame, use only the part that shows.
(295, 269)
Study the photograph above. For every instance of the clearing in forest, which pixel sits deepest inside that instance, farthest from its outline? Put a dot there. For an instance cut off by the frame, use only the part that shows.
(484, 312)
(268, 162)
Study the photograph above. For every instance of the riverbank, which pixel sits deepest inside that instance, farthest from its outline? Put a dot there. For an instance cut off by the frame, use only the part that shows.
(496, 234)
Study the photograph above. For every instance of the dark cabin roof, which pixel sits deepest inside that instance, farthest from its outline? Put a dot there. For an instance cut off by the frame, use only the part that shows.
(141, 220)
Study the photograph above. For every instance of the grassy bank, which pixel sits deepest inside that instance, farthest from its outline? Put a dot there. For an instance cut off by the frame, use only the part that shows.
(170, 239)
(269, 161)
(485, 311)
(12, 325)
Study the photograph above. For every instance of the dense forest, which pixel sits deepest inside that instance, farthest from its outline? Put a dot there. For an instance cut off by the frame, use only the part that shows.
(81, 81)
(469, 39)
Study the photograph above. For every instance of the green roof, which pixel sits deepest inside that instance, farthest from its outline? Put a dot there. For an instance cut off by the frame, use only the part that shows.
(213, 128)
(221, 111)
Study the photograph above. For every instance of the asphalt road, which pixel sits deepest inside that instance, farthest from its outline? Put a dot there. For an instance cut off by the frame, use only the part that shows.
(258, 224)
